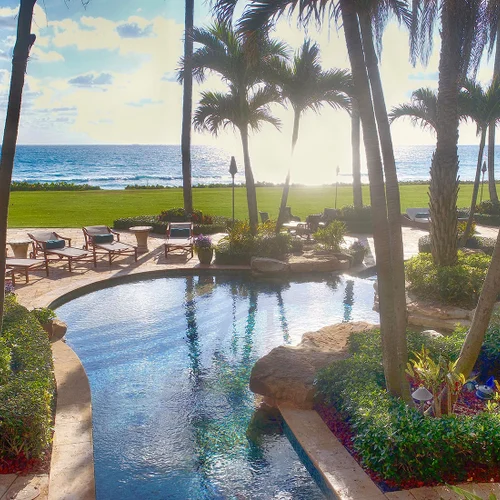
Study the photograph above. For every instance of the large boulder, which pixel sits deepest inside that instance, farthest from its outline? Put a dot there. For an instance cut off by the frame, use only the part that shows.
(268, 266)
(55, 328)
(314, 262)
(287, 373)
(438, 316)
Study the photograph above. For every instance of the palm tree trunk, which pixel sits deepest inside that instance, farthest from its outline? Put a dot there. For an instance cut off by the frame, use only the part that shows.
(443, 189)
(24, 41)
(393, 198)
(357, 192)
(381, 233)
(475, 336)
(187, 107)
(491, 137)
(250, 183)
(475, 190)
(286, 187)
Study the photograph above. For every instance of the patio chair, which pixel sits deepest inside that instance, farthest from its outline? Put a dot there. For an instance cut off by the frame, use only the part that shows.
(9, 275)
(105, 239)
(52, 244)
(179, 237)
(23, 265)
(288, 216)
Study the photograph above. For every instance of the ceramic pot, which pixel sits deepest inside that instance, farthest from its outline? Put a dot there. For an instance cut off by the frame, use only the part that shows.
(205, 255)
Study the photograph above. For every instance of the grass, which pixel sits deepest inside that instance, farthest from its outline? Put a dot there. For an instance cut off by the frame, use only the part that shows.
(76, 209)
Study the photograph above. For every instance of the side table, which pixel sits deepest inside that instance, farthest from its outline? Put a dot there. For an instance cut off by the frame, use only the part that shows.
(141, 233)
(20, 248)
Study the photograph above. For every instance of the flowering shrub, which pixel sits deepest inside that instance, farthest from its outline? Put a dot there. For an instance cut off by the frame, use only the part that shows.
(9, 287)
(202, 242)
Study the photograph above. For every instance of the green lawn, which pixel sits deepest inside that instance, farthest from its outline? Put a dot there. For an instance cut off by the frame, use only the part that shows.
(79, 208)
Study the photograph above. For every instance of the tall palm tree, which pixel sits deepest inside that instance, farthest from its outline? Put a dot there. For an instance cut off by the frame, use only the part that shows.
(24, 42)
(305, 85)
(493, 14)
(187, 107)
(463, 36)
(483, 107)
(246, 104)
(357, 192)
(260, 14)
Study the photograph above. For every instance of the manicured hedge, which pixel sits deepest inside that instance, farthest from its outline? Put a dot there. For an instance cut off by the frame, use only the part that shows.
(160, 227)
(395, 440)
(357, 220)
(27, 385)
(487, 245)
(51, 186)
(487, 220)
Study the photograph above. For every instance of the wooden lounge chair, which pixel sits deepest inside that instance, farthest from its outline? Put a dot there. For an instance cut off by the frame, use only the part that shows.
(24, 266)
(179, 237)
(52, 244)
(108, 241)
(9, 275)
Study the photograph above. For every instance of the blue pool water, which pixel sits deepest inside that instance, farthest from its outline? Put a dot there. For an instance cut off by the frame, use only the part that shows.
(169, 362)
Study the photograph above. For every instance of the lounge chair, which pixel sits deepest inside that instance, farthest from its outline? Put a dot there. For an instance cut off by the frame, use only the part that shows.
(418, 214)
(179, 237)
(52, 244)
(9, 275)
(25, 265)
(105, 239)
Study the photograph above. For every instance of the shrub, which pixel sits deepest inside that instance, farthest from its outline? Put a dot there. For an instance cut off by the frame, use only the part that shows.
(26, 397)
(488, 207)
(332, 236)
(459, 285)
(43, 314)
(357, 220)
(387, 431)
(50, 186)
(180, 215)
(487, 245)
(488, 220)
(296, 245)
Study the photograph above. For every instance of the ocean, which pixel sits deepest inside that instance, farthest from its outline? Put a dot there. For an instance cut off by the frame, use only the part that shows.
(114, 167)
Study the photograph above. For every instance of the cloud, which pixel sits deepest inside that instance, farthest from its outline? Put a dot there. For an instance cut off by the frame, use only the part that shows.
(4, 54)
(169, 76)
(89, 80)
(144, 102)
(133, 30)
(39, 55)
(420, 75)
(8, 17)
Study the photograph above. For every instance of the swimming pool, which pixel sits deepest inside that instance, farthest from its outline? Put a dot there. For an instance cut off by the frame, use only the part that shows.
(169, 362)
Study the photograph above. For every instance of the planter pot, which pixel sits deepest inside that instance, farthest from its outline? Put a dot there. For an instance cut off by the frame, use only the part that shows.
(205, 255)
(357, 259)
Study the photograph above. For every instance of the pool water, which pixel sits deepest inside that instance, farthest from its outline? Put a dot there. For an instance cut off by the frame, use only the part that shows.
(169, 362)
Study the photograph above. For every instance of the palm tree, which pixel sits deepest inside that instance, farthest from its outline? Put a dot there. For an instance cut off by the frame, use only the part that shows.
(24, 42)
(463, 29)
(258, 15)
(246, 104)
(187, 107)
(483, 107)
(357, 192)
(305, 86)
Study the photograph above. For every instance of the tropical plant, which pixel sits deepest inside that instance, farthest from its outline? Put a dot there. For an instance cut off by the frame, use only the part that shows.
(304, 84)
(187, 106)
(359, 20)
(202, 242)
(246, 104)
(483, 107)
(422, 110)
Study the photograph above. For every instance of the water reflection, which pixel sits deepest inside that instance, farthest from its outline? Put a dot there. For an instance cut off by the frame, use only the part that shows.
(348, 300)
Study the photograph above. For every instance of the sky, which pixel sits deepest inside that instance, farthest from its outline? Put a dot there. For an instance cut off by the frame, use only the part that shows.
(106, 74)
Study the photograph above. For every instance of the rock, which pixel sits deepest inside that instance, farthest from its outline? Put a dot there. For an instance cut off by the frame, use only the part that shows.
(287, 373)
(268, 266)
(432, 334)
(433, 322)
(56, 329)
(310, 263)
(437, 311)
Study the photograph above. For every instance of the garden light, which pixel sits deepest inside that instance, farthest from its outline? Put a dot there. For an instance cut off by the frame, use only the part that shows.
(486, 391)
(421, 395)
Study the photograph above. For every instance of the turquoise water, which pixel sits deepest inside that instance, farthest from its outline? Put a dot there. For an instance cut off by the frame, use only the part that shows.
(169, 362)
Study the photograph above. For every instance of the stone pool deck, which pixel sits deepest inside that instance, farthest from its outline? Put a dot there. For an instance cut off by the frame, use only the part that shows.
(72, 475)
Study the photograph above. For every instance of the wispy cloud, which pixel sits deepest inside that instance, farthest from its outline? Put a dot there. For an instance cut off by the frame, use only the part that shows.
(133, 30)
(144, 102)
(91, 80)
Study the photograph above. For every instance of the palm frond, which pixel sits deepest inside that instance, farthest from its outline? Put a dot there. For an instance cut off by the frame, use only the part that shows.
(216, 111)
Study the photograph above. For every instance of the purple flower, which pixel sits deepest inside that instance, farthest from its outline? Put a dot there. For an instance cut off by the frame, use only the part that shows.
(203, 242)
(9, 288)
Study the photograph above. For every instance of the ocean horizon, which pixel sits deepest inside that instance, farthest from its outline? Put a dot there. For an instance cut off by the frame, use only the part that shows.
(116, 166)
